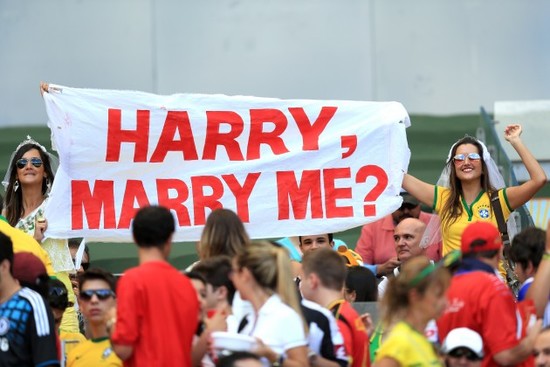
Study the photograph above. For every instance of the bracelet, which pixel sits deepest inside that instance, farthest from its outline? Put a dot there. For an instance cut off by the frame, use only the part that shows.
(546, 256)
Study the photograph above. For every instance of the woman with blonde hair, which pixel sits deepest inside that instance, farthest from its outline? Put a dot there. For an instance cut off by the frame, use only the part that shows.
(412, 299)
(262, 275)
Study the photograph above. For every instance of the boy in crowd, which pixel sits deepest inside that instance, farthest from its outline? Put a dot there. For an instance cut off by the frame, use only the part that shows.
(96, 297)
(27, 330)
(169, 307)
(323, 283)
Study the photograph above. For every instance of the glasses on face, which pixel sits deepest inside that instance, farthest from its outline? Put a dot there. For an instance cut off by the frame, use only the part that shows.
(464, 352)
(459, 158)
(22, 163)
(408, 206)
(85, 266)
(57, 291)
(101, 294)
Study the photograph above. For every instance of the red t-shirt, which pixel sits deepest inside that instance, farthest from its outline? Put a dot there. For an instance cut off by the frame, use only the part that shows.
(353, 331)
(157, 314)
(482, 302)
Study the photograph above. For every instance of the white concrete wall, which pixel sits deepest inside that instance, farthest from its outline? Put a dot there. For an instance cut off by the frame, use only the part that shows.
(435, 56)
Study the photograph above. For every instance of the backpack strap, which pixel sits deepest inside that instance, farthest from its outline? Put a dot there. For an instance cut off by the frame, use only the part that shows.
(497, 209)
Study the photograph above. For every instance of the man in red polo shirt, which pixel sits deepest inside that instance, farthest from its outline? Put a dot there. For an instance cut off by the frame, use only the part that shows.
(479, 300)
(157, 306)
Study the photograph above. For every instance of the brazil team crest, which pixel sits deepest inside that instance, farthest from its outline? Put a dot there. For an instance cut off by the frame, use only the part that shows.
(484, 212)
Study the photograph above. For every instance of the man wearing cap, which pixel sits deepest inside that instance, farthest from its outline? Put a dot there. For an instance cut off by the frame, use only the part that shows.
(463, 347)
(27, 334)
(376, 244)
(479, 300)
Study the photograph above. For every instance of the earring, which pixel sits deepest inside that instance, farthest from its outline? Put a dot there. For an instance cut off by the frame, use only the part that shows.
(48, 185)
(16, 185)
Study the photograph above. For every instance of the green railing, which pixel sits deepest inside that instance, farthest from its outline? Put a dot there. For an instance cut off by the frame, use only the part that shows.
(486, 132)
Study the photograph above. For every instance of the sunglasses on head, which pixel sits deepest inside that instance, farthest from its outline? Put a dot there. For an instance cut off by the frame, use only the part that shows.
(464, 352)
(102, 294)
(22, 163)
(462, 157)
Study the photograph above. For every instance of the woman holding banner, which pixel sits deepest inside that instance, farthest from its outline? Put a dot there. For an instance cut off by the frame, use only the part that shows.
(27, 183)
(463, 192)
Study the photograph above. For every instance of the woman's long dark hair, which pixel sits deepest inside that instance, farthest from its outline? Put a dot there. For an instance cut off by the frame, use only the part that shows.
(452, 209)
(14, 199)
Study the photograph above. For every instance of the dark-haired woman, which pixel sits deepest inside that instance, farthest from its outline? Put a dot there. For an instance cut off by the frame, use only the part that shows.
(27, 182)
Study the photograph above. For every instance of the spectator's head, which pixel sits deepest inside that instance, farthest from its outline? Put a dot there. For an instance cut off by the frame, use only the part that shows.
(410, 208)
(29, 156)
(199, 283)
(219, 288)
(419, 289)
(482, 240)
(153, 226)
(463, 347)
(58, 299)
(361, 285)
(314, 242)
(323, 269)
(96, 294)
(407, 235)
(6, 255)
(223, 234)
(542, 348)
(456, 166)
(31, 272)
(526, 252)
(240, 359)
(74, 244)
(267, 267)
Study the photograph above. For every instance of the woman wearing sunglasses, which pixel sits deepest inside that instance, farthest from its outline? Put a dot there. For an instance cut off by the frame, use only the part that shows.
(462, 194)
(28, 179)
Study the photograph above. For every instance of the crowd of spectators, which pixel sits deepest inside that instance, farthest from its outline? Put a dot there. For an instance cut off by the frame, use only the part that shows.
(441, 294)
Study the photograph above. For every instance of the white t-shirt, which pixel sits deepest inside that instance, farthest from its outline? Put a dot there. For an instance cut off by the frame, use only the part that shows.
(278, 326)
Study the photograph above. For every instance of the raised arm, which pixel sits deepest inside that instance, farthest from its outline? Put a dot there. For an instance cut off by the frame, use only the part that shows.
(419, 189)
(519, 195)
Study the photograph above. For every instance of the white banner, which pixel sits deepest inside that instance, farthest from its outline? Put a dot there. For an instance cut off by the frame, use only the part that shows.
(286, 167)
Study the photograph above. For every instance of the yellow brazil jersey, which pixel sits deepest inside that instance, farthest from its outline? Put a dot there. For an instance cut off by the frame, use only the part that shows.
(408, 347)
(93, 352)
(479, 210)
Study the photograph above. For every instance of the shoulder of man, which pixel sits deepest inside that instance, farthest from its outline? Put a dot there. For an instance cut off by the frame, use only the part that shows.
(40, 311)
